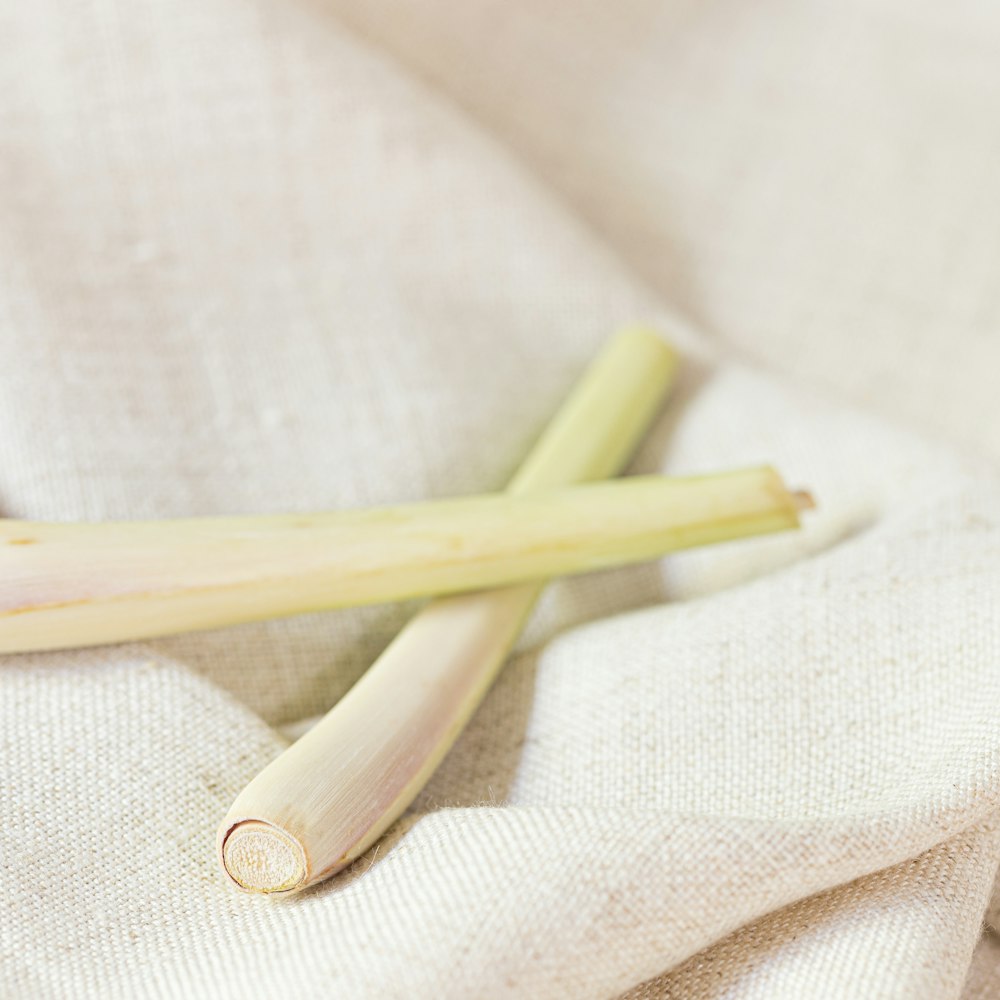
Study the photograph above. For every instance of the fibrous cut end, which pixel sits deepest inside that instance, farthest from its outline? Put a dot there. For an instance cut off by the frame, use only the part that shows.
(262, 858)
(803, 500)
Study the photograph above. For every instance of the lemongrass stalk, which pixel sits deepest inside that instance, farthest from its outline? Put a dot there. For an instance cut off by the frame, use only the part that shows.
(82, 584)
(334, 792)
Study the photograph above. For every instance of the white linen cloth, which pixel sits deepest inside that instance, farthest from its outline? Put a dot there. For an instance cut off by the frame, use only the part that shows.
(295, 254)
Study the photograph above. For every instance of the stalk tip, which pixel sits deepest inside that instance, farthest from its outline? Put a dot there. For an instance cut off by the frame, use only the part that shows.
(803, 500)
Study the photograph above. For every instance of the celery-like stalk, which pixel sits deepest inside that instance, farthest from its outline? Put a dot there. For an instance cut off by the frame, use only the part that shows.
(82, 584)
(334, 792)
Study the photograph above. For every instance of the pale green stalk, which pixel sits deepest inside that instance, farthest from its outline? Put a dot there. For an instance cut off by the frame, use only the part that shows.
(334, 792)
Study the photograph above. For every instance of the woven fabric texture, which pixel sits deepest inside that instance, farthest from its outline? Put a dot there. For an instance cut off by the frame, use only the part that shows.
(297, 254)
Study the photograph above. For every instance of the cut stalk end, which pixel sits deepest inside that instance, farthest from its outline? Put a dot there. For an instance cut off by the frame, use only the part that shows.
(262, 858)
(803, 500)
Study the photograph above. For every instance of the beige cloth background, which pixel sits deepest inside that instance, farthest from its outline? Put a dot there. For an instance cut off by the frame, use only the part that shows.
(286, 254)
